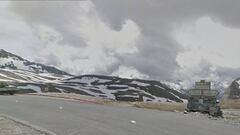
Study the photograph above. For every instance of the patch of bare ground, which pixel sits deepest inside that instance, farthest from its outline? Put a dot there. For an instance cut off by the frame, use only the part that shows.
(232, 115)
(231, 110)
(78, 97)
(180, 107)
(173, 107)
(230, 104)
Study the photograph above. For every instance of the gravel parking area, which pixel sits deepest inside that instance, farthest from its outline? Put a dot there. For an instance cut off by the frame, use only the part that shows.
(232, 115)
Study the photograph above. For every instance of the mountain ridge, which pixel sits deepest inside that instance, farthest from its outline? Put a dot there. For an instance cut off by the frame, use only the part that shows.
(12, 61)
(37, 78)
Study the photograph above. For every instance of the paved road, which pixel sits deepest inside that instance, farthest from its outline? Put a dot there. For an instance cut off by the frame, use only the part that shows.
(75, 118)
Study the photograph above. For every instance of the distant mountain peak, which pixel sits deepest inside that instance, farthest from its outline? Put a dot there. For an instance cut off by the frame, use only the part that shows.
(12, 61)
(5, 54)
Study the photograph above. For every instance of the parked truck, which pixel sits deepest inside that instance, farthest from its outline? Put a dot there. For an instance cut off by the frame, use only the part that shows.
(204, 99)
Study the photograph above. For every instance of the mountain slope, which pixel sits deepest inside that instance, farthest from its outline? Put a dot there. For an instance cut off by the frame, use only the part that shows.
(12, 61)
(36, 78)
(24, 76)
(112, 87)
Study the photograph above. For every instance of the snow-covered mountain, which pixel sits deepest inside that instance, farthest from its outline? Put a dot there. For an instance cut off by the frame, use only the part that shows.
(112, 87)
(24, 76)
(106, 87)
(34, 77)
(12, 61)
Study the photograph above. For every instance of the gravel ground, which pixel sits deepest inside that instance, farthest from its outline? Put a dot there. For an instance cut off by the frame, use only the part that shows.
(11, 127)
(232, 115)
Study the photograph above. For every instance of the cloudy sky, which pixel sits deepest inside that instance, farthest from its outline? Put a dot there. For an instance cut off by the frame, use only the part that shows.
(152, 39)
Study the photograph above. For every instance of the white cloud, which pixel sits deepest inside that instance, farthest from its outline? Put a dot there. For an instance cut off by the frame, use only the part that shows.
(208, 47)
(105, 37)
(101, 42)
(15, 34)
(95, 32)
(129, 72)
(210, 41)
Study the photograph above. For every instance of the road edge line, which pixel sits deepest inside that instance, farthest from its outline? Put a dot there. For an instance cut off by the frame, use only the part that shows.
(27, 124)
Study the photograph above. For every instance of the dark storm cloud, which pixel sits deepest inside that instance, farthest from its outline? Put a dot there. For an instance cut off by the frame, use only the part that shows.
(157, 48)
(156, 57)
(160, 13)
(232, 72)
(157, 18)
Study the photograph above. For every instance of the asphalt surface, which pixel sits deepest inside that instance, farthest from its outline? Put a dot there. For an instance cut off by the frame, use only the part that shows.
(77, 118)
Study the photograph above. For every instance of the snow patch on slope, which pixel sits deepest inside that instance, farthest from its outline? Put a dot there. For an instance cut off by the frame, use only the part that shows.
(238, 83)
(179, 86)
(140, 83)
(110, 87)
(24, 76)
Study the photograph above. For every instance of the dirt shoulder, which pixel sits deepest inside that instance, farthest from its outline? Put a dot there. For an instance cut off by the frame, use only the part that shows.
(76, 97)
(9, 126)
(230, 104)
(232, 115)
